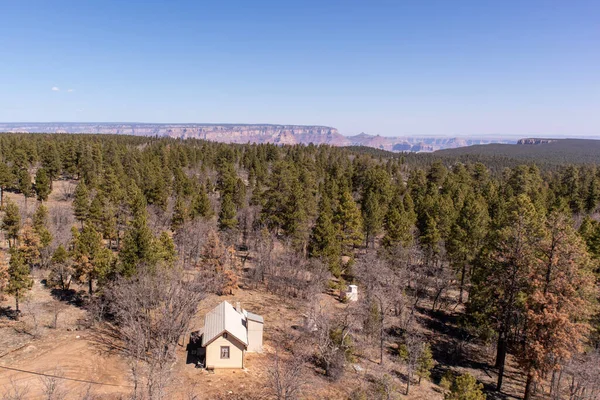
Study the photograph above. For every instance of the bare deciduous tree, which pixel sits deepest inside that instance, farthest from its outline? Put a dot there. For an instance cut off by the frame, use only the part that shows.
(582, 374)
(333, 341)
(52, 386)
(152, 311)
(87, 394)
(263, 243)
(410, 352)
(67, 190)
(60, 221)
(15, 391)
(380, 285)
(33, 313)
(286, 377)
(190, 240)
(292, 275)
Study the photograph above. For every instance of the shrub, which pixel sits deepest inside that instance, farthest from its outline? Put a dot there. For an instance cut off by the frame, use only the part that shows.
(465, 387)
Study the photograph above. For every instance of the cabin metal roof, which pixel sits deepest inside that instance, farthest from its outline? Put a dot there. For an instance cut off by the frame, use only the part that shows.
(224, 318)
(254, 317)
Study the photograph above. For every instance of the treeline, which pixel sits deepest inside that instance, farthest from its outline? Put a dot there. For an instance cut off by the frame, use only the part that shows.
(520, 244)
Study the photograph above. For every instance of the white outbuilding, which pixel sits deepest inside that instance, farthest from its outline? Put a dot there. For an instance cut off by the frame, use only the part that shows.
(352, 293)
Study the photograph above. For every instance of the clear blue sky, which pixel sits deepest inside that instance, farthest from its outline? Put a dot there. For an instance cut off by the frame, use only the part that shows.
(398, 67)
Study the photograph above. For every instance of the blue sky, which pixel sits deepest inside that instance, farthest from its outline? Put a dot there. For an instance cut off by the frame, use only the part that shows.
(462, 67)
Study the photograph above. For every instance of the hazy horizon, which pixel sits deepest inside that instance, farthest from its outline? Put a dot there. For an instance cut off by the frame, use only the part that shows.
(507, 136)
(389, 68)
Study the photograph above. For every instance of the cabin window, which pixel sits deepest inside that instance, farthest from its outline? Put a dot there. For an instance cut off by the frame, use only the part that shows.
(224, 351)
(225, 335)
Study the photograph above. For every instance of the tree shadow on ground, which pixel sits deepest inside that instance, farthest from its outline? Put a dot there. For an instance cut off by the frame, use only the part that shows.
(106, 339)
(441, 322)
(70, 296)
(454, 346)
(8, 312)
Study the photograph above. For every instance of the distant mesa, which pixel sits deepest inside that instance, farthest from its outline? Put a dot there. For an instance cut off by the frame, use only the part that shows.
(254, 133)
(536, 141)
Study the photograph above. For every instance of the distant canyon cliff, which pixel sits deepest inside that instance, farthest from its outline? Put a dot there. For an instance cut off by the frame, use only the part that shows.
(254, 133)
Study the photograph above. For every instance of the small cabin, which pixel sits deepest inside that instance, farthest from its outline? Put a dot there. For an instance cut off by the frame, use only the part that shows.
(227, 335)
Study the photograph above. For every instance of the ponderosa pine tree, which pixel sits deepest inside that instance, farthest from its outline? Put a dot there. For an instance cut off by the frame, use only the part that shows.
(24, 184)
(296, 223)
(11, 223)
(42, 185)
(40, 226)
(502, 279)
(228, 214)
(200, 204)
(110, 187)
(590, 232)
(62, 272)
(239, 193)
(19, 280)
(138, 241)
(51, 161)
(559, 303)
(376, 191)
(324, 241)
(593, 195)
(92, 260)
(349, 222)
(29, 245)
(425, 363)
(399, 223)
(95, 213)
(467, 236)
(81, 202)
(277, 198)
(179, 214)
(6, 180)
(166, 251)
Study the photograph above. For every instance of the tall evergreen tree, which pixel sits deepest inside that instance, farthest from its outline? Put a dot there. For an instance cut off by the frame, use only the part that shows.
(96, 213)
(324, 241)
(29, 245)
(19, 277)
(593, 195)
(227, 215)
(376, 191)
(40, 225)
(179, 214)
(11, 223)
(81, 202)
(349, 222)
(6, 180)
(399, 222)
(51, 161)
(502, 279)
(559, 304)
(92, 260)
(24, 184)
(467, 237)
(138, 241)
(200, 205)
(42, 184)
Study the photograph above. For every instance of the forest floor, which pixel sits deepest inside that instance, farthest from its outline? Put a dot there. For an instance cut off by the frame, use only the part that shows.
(54, 340)
(32, 351)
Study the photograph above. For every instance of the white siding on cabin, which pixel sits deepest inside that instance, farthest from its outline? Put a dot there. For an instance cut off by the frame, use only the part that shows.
(255, 336)
(236, 353)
